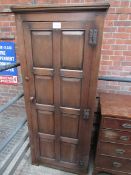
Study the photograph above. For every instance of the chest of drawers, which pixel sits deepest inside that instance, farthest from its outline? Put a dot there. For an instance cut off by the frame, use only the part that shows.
(113, 155)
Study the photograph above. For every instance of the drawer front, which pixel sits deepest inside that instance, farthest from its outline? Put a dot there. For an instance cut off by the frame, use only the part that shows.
(117, 124)
(123, 137)
(117, 150)
(113, 163)
(103, 171)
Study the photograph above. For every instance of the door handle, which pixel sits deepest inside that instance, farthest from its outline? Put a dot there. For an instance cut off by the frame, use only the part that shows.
(27, 78)
(32, 99)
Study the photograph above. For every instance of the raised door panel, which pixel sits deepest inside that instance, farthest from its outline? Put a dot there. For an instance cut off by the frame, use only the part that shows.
(72, 49)
(42, 48)
(70, 92)
(69, 152)
(47, 148)
(72, 121)
(46, 122)
(44, 89)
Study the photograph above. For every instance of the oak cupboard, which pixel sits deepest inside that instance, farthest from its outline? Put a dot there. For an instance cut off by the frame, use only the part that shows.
(59, 48)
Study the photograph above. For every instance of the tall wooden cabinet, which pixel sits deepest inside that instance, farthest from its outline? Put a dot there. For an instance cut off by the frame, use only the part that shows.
(59, 49)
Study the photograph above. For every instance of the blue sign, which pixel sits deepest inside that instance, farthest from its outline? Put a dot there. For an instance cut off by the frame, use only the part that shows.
(8, 56)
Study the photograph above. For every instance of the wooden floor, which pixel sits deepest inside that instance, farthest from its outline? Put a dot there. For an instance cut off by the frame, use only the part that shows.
(25, 168)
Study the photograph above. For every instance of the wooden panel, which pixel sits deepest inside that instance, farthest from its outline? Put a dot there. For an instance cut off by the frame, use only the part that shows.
(64, 25)
(70, 92)
(103, 171)
(69, 125)
(69, 140)
(61, 165)
(42, 48)
(93, 7)
(72, 49)
(45, 107)
(70, 111)
(46, 122)
(117, 150)
(116, 136)
(71, 73)
(74, 25)
(68, 152)
(44, 89)
(47, 148)
(37, 26)
(57, 17)
(117, 124)
(46, 136)
(114, 163)
(115, 105)
(43, 71)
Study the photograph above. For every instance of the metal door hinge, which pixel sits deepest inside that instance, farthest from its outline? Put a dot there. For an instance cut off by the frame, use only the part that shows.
(93, 34)
(86, 114)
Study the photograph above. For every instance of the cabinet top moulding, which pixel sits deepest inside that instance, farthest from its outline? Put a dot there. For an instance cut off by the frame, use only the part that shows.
(58, 7)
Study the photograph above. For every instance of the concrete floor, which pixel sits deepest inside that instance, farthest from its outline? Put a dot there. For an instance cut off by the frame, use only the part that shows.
(26, 168)
(9, 122)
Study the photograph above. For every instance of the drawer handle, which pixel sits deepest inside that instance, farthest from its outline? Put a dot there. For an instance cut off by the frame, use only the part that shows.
(124, 138)
(117, 164)
(120, 151)
(126, 125)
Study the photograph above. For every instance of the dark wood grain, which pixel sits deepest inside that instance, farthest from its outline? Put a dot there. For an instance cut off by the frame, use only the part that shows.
(98, 171)
(66, 7)
(62, 69)
(114, 163)
(116, 136)
(117, 150)
(118, 123)
(57, 96)
(114, 144)
(116, 105)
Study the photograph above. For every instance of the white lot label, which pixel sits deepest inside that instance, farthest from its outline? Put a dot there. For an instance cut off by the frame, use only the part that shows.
(56, 25)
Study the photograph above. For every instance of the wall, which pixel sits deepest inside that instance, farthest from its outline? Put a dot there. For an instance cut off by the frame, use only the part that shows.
(116, 49)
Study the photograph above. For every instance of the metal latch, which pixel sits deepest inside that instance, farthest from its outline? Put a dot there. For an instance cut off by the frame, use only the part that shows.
(93, 34)
(86, 114)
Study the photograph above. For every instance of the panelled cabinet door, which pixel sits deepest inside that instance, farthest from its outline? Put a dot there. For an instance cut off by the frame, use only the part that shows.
(60, 60)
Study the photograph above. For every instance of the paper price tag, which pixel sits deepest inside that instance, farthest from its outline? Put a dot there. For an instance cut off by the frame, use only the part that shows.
(56, 25)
